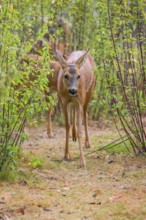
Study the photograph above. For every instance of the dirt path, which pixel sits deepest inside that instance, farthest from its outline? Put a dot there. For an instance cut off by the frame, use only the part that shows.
(113, 187)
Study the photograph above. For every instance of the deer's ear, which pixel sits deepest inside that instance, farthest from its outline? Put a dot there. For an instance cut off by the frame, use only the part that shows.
(82, 59)
(60, 58)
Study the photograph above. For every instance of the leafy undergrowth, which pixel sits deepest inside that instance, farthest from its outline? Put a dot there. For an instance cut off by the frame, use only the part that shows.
(113, 186)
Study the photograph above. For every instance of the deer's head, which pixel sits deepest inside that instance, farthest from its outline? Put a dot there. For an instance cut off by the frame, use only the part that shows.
(71, 72)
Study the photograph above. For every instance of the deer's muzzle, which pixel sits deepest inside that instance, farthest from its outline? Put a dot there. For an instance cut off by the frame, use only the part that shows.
(72, 92)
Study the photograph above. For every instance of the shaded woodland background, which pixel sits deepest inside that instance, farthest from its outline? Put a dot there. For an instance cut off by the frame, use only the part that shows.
(116, 33)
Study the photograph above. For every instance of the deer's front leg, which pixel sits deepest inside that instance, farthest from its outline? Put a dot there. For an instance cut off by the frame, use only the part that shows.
(67, 124)
(79, 134)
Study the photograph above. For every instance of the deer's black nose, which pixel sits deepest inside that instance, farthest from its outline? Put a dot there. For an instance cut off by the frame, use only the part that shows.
(72, 91)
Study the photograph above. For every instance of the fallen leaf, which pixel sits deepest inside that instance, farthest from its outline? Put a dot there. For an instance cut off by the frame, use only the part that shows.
(113, 198)
(94, 195)
(66, 188)
(47, 210)
(2, 202)
(98, 191)
(92, 203)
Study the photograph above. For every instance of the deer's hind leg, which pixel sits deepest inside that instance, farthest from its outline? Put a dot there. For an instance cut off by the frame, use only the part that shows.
(49, 124)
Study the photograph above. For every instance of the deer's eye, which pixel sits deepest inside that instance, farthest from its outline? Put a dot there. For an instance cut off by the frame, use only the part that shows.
(78, 77)
(66, 76)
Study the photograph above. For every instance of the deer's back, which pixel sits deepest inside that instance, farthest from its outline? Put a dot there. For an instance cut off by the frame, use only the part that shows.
(35, 62)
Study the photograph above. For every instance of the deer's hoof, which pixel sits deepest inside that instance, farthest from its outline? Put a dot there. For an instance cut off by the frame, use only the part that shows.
(74, 138)
(74, 134)
(82, 163)
(87, 144)
(67, 157)
(50, 136)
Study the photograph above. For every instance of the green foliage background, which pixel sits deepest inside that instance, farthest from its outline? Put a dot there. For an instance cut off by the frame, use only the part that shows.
(114, 30)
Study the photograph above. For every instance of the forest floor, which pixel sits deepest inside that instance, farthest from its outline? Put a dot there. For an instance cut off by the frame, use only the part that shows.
(112, 187)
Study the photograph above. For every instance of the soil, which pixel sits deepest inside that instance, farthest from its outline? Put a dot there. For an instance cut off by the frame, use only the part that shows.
(112, 187)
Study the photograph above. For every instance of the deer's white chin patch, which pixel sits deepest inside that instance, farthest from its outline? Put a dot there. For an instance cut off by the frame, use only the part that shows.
(73, 94)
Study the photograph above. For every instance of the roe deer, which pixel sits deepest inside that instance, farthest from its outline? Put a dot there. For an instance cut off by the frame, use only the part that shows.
(76, 81)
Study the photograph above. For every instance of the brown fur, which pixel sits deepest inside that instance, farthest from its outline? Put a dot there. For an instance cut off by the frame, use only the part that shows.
(78, 102)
